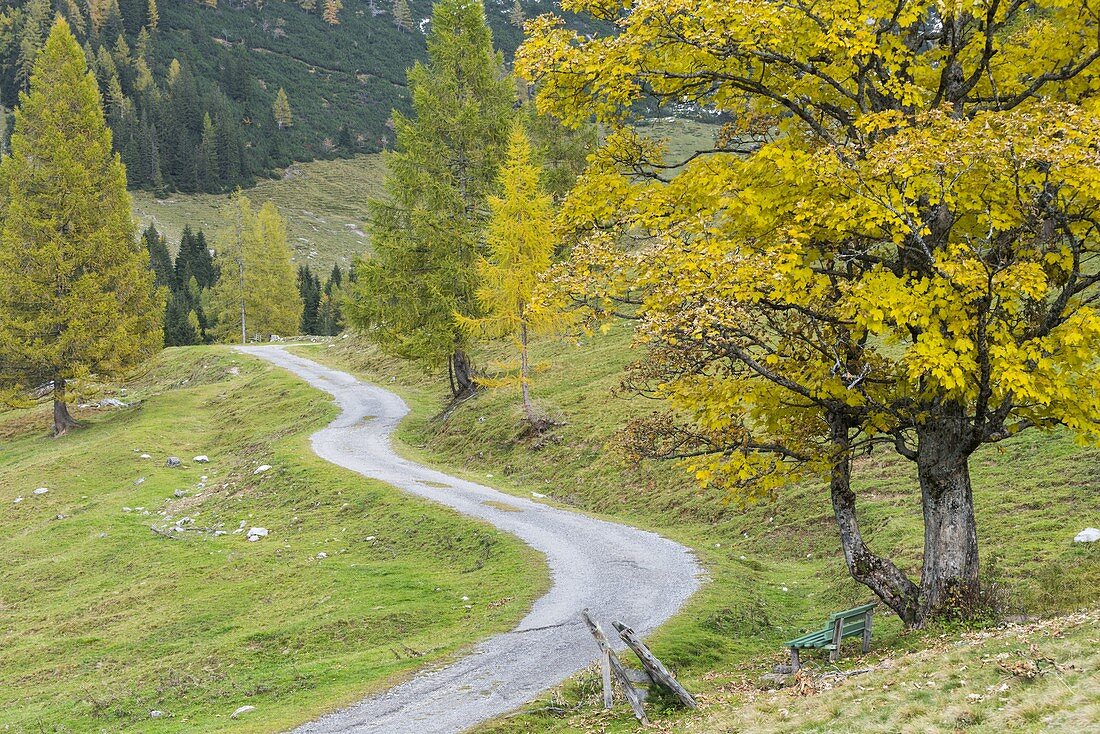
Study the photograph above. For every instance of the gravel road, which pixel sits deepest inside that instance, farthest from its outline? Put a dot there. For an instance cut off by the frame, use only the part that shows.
(617, 572)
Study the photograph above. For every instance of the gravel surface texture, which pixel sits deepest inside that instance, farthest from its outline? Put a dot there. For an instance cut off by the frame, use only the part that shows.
(618, 572)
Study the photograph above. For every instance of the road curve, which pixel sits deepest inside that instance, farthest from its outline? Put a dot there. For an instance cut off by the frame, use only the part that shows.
(617, 572)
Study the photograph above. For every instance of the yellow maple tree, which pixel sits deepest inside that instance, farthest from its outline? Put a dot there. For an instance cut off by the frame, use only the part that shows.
(891, 245)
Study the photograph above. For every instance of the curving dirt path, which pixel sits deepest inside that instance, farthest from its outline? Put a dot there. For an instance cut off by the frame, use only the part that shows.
(617, 572)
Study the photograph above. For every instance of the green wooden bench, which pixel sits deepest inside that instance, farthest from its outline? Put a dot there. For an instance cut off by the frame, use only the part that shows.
(848, 623)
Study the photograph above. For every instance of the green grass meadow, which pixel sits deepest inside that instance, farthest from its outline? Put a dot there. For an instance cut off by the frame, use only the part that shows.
(324, 203)
(103, 621)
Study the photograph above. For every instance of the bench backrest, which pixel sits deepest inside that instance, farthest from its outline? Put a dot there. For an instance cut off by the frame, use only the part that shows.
(855, 612)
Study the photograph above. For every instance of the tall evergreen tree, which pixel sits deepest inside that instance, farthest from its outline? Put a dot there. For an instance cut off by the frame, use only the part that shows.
(426, 234)
(160, 260)
(77, 297)
(309, 288)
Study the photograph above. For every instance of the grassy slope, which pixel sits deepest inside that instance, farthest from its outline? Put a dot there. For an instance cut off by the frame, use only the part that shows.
(775, 570)
(102, 621)
(325, 204)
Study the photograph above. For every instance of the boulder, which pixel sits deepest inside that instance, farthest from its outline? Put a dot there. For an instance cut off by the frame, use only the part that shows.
(201, 459)
(1088, 535)
(40, 491)
(262, 468)
(173, 462)
(255, 534)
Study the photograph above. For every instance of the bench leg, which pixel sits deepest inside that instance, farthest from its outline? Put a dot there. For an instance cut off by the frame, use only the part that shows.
(867, 633)
(795, 665)
(838, 629)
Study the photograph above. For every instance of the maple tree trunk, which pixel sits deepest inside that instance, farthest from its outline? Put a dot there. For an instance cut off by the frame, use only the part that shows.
(876, 573)
(949, 578)
(62, 421)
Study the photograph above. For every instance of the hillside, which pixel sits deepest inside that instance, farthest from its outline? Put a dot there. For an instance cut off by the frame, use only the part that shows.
(190, 91)
(775, 569)
(104, 620)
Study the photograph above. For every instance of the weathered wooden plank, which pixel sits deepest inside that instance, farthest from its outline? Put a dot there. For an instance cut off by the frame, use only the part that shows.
(838, 636)
(629, 690)
(656, 669)
(605, 672)
(867, 632)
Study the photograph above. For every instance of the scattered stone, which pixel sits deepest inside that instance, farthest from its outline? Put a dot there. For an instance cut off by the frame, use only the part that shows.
(60, 517)
(180, 493)
(112, 403)
(17, 500)
(242, 710)
(322, 556)
(369, 538)
(465, 598)
(234, 371)
(40, 491)
(173, 462)
(201, 459)
(219, 533)
(1088, 535)
(155, 714)
(262, 468)
(146, 456)
(127, 509)
(538, 496)
(102, 535)
(255, 534)
(139, 480)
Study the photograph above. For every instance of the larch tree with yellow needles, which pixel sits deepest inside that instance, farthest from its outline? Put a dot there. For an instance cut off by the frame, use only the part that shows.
(894, 246)
(520, 241)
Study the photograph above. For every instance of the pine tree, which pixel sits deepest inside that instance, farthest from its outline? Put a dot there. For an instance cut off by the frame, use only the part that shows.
(521, 244)
(426, 235)
(402, 15)
(332, 11)
(77, 297)
(281, 108)
(257, 284)
(516, 16)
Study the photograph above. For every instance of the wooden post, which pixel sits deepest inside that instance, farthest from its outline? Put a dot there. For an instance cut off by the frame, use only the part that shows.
(605, 671)
(838, 631)
(867, 631)
(629, 690)
(795, 664)
(654, 667)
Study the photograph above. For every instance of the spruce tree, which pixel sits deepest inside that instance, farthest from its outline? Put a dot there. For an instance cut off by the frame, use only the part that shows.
(160, 260)
(426, 233)
(77, 297)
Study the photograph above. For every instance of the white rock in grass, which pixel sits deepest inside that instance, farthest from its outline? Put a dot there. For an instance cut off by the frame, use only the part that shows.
(146, 456)
(262, 468)
(17, 500)
(242, 710)
(155, 714)
(201, 459)
(255, 534)
(1088, 535)
(40, 491)
(173, 462)
(322, 556)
